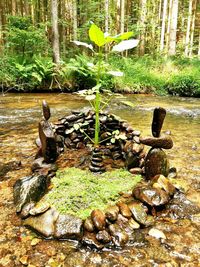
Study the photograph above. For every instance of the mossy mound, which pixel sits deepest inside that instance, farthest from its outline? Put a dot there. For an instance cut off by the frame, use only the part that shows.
(78, 192)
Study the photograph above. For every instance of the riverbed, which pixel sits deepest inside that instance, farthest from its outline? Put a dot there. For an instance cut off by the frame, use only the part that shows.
(19, 117)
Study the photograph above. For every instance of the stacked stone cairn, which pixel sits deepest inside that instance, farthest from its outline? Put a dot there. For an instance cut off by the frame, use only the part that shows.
(119, 224)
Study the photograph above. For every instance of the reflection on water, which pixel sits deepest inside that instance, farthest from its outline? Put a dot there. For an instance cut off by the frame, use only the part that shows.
(19, 116)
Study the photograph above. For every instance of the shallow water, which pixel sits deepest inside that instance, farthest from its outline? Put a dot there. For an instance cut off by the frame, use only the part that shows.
(19, 116)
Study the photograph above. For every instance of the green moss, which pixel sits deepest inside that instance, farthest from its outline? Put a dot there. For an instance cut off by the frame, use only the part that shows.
(78, 191)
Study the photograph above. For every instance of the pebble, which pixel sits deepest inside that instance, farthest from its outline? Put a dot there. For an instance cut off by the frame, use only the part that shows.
(156, 233)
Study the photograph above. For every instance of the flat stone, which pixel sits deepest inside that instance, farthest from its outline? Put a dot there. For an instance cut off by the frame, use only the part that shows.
(137, 148)
(151, 196)
(39, 208)
(26, 209)
(98, 219)
(44, 224)
(157, 122)
(158, 142)
(163, 183)
(68, 226)
(156, 233)
(136, 170)
(156, 163)
(28, 189)
(138, 212)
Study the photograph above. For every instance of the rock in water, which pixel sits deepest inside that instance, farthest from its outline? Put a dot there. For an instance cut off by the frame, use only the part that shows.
(158, 142)
(68, 226)
(158, 119)
(28, 189)
(43, 224)
(119, 236)
(99, 219)
(156, 163)
(138, 212)
(46, 110)
(48, 141)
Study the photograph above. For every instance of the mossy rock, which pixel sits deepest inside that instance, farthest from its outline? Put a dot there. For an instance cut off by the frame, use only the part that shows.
(78, 192)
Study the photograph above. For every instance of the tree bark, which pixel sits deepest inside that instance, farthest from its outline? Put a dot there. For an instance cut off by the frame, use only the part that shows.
(173, 30)
(106, 15)
(162, 38)
(168, 25)
(192, 27)
(55, 34)
(187, 38)
(75, 21)
(142, 27)
(122, 16)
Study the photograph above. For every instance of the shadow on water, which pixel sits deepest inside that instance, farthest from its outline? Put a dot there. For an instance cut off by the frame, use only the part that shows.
(19, 116)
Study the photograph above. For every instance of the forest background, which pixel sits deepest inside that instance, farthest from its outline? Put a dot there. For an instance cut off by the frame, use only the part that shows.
(38, 53)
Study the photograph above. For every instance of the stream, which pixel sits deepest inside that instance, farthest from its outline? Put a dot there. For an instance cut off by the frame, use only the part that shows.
(19, 117)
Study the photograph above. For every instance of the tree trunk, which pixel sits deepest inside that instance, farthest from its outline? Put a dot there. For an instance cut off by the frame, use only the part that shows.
(199, 47)
(106, 15)
(168, 26)
(142, 27)
(122, 16)
(162, 38)
(192, 27)
(173, 30)
(118, 16)
(187, 38)
(75, 21)
(55, 34)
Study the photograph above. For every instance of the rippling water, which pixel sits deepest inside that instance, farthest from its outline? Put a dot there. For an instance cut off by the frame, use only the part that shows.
(19, 116)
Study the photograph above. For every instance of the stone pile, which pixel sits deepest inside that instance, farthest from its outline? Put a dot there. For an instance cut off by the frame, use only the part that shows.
(96, 164)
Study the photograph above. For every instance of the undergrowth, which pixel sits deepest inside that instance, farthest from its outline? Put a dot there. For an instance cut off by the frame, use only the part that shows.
(78, 192)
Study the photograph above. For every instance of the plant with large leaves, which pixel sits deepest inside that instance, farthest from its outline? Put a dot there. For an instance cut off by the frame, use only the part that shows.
(120, 43)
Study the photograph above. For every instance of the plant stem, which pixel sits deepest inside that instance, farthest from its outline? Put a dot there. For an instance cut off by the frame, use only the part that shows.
(97, 101)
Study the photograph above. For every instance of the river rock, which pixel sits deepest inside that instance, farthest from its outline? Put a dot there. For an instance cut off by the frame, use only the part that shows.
(121, 221)
(40, 163)
(88, 225)
(151, 196)
(124, 209)
(136, 170)
(26, 209)
(48, 140)
(44, 223)
(137, 148)
(68, 226)
(98, 219)
(9, 166)
(156, 233)
(156, 163)
(46, 110)
(103, 237)
(138, 211)
(158, 119)
(132, 161)
(39, 208)
(157, 142)
(112, 213)
(163, 183)
(30, 188)
(89, 239)
(133, 224)
(119, 236)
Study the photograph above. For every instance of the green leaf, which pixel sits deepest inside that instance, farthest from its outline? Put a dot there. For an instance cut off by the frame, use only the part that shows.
(112, 140)
(96, 35)
(76, 126)
(124, 36)
(125, 45)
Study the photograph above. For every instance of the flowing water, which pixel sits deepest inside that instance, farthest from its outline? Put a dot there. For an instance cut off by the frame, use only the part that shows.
(19, 116)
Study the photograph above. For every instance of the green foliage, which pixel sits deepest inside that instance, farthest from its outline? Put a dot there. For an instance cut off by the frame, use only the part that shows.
(78, 191)
(24, 39)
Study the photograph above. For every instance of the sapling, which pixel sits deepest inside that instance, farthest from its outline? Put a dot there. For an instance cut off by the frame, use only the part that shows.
(120, 43)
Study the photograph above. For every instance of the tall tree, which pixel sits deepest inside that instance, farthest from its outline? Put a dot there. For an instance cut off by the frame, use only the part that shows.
(75, 20)
(55, 33)
(122, 16)
(142, 26)
(162, 38)
(192, 27)
(173, 28)
(187, 38)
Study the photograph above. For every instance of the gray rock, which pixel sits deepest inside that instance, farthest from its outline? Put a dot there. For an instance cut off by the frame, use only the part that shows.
(44, 224)
(138, 211)
(68, 226)
(156, 163)
(30, 188)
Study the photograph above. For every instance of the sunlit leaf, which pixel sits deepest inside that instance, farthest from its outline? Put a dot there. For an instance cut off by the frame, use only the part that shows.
(96, 87)
(76, 126)
(124, 36)
(96, 35)
(83, 44)
(68, 131)
(125, 45)
(112, 140)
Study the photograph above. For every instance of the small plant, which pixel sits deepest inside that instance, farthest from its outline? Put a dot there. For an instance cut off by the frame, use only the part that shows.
(101, 39)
